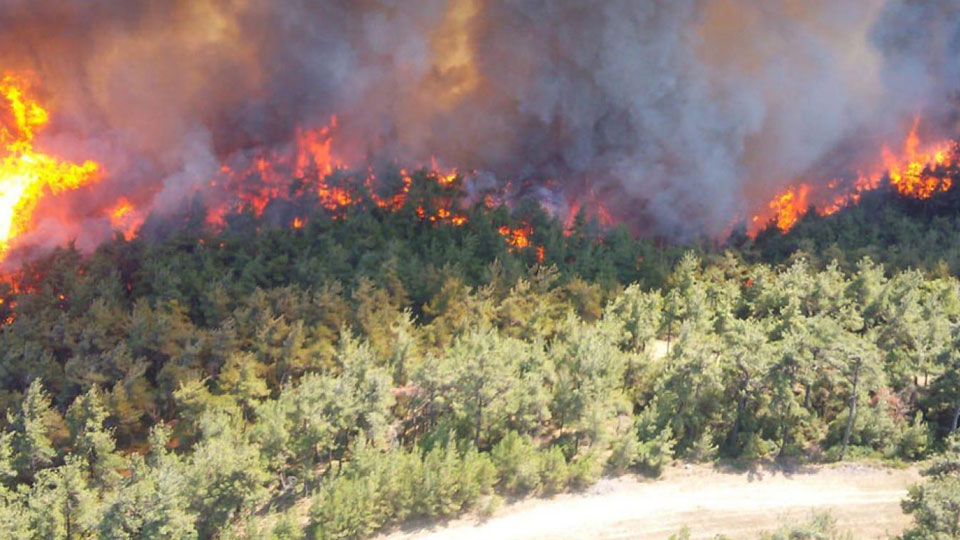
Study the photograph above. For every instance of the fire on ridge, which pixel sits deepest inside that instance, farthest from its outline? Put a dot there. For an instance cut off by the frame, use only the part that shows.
(918, 171)
(308, 169)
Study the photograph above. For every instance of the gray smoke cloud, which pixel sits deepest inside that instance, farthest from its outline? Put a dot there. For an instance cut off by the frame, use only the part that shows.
(682, 115)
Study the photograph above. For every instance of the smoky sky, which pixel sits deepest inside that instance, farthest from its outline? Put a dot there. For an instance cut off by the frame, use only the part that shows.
(681, 115)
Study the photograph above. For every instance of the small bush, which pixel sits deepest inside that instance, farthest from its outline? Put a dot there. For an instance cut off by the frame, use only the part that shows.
(625, 452)
(914, 439)
(517, 463)
(287, 528)
(554, 473)
(585, 470)
(656, 453)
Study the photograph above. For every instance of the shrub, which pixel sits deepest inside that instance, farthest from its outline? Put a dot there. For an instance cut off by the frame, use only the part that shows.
(585, 470)
(517, 463)
(914, 439)
(554, 473)
(656, 453)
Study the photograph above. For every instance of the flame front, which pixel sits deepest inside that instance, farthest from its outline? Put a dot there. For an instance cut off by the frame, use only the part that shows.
(25, 174)
(918, 172)
(915, 174)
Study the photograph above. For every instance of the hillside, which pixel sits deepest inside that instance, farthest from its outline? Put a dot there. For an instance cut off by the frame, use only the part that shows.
(901, 232)
(380, 367)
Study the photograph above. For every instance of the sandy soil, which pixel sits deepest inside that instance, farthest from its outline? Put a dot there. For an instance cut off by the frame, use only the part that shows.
(865, 500)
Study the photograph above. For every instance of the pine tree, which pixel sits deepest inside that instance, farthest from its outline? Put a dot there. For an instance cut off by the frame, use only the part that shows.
(153, 503)
(32, 426)
(225, 474)
(91, 440)
(935, 503)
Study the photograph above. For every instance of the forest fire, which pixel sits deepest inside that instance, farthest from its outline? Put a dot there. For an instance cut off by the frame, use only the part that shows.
(125, 218)
(519, 238)
(26, 175)
(309, 170)
(789, 206)
(340, 269)
(919, 171)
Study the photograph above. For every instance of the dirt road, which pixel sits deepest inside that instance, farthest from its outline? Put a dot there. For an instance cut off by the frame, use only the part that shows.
(865, 500)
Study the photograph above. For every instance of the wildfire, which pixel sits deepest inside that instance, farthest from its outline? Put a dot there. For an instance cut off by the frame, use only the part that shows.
(125, 218)
(27, 175)
(790, 206)
(918, 172)
(306, 171)
(518, 238)
(314, 153)
(914, 174)
(592, 207)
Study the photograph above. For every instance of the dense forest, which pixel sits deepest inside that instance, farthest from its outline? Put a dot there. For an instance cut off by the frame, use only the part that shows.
(899, 231)
(368, 367)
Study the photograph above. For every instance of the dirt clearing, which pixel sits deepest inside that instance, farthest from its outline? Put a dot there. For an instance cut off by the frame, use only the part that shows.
(865, 500)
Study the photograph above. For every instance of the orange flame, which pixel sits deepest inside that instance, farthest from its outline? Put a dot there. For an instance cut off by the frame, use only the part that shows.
(124, 217)
(25, 174)
(911, 175)
(518, 238)
(790, 206)
(918, 172)
(314, 154)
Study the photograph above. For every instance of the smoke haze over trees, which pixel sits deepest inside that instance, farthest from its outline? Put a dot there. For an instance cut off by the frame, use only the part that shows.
(680, 116)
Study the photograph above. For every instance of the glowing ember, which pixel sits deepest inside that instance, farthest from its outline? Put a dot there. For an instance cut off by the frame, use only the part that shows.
(25, 174)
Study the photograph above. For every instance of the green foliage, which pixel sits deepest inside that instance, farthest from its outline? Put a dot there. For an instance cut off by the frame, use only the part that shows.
(624, 452)
(287, 528)
(518, 463)
(656, 449)
(584, 470)
(225, 474)
(91, 440)
(935, 503)
(378, 488)
(914, 440)
(31, 432)
(554, 471)
(396, 369)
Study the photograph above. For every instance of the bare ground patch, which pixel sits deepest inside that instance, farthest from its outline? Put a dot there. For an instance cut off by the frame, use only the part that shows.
(865, 500)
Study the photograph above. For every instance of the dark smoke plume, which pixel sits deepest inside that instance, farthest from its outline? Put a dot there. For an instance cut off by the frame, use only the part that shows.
(681, 114)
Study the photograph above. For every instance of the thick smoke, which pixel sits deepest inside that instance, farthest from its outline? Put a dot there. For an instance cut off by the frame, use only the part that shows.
(682, 115)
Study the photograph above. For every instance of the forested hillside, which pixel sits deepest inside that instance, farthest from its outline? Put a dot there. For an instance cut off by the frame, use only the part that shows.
(898, 230)
(197, 384)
